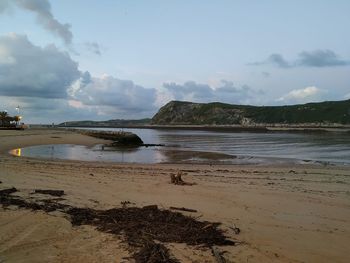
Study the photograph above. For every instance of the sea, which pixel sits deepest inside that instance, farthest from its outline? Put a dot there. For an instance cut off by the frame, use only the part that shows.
(196, 146)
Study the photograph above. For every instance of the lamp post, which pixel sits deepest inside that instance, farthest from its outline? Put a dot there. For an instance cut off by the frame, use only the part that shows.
(18, 117)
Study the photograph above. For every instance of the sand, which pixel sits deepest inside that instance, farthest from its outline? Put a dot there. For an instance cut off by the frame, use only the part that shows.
(286, 213)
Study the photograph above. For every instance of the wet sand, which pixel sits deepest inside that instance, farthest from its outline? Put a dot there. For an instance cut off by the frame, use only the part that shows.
(286, 213)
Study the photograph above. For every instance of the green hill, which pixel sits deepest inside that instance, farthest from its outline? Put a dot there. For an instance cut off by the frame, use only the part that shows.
(189, 113)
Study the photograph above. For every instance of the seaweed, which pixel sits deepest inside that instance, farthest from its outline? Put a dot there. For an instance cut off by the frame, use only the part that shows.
(145, 229)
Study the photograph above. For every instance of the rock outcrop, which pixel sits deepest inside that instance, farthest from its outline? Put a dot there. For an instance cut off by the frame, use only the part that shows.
(118, 137)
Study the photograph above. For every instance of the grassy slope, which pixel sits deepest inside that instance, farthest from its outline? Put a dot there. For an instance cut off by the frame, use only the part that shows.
(323, 112)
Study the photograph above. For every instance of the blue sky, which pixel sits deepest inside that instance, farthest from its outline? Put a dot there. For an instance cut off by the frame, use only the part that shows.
(125, 59)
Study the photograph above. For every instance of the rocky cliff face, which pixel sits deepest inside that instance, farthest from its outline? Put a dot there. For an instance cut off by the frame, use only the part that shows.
(176, 112)
(188, 113)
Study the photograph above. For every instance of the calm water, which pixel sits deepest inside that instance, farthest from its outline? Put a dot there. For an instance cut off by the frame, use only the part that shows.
(248, 147)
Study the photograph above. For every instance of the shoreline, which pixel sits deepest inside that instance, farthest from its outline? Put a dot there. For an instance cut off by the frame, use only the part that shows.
(230, 128)
(285, 212)
(33, 137)
(54, 136)
(178, 157)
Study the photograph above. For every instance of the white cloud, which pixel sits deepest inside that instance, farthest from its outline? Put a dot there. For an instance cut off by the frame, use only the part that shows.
(27, 70)
(44, 110)
(47, 83)
(307, 94)
(317, 58)
(111, 94)
(226, 91)
(42, 9)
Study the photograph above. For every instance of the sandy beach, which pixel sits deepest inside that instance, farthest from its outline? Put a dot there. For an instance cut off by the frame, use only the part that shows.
(286, 213)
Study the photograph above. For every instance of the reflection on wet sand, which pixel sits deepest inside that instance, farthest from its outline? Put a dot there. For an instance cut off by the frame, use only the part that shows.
(96, 153)
(120, 149)
(16, 152)
(121, 154)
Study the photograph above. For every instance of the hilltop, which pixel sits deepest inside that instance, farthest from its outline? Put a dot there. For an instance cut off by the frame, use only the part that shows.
(328, 113)
(216, 113)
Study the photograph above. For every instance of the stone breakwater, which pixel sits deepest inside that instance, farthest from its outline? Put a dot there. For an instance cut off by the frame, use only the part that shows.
(118, 137)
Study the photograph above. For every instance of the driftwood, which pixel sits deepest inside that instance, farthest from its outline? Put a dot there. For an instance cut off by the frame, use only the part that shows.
(49, 192)
(153, 252)
(235, 229)
(177, 179)
(183, 209)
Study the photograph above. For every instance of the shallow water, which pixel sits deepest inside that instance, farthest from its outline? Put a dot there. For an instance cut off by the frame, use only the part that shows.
(249, 147)
(96, 153)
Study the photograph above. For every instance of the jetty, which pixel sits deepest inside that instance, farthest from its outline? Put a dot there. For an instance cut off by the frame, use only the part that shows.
(119, 138)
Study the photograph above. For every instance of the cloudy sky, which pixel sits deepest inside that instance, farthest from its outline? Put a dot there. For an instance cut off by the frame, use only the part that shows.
(85, 59)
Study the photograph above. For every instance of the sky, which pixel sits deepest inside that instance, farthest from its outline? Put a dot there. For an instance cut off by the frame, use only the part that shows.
(69, 60)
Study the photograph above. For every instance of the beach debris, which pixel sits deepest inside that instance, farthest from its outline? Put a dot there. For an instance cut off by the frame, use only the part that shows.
(218, 255)
(177, 179)
(150, 207)
(44, 205)
(151, 223)
(47, 205)
(144, 229)
(53, 199)
(49, 192)
(183, 209)
(7, 191)
(153, 252)
(126, 203)
(292, 172)
(0, 182)
(235, 229)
